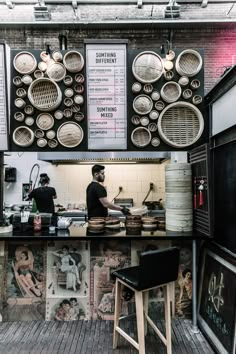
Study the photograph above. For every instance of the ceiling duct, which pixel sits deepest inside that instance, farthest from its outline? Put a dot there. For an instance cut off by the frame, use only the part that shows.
(112, 157)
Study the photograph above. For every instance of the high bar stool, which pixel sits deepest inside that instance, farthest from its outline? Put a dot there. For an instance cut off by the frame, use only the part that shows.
(156, 268)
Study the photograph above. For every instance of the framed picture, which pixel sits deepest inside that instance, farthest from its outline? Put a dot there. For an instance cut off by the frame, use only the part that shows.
(217, 299)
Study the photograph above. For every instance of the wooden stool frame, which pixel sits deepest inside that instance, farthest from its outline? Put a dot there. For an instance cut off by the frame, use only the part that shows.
(141, 304)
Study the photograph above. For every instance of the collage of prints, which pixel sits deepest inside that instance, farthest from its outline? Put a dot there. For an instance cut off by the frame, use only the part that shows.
(63, 281)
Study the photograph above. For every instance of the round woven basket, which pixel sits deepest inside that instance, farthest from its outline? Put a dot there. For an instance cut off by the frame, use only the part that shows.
(44, 94)
(38, 74)
(41, 142)
(188, 62)
(180, 124)
(56, 72)
(27, 79)
(73, 61)
(52, 143)
(29, 110)
(23, 136)
(17, 81)
(57, 55)
(79, 78)
(20, 92)
(42, 66)
(29, 121)
(79, 116)
(168, 75)
(155, 142)
(58, 115)
(39, 133)
(135, 120)
(45, 121)
(187, 93)
(70, 134)
(171, 91)
(142, 104)
(19, 116)
(155, 95)
(25, 63)
(183, 81)
(141, 137)
(147, 67)
(147, 88)
(50, 134)
(136, 87)
(68, 80)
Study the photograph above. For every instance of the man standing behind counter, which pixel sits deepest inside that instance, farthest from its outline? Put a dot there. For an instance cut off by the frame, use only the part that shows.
(96, 195)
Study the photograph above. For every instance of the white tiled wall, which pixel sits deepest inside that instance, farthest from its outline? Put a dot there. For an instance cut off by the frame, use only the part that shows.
(71, 181)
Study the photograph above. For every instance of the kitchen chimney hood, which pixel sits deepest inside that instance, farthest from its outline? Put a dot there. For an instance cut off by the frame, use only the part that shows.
(86, 157)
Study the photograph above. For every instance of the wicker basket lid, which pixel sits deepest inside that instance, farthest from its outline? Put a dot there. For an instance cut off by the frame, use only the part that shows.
(29, 121)
(42, 66)
(56, 71)
(79, 116)
(52, 143)
(70, 134)
(57, 55)
(135, 120)
(41, 142)
(180, 124)
(171, 91)
(45, 121)
(147, 67)
(25, 63)
(142, 104)
(19, 116)
(73, 61)
(50, 134)
(44, 94)
(141, 137)
(23, 136)
(39, 133)
(188, 62)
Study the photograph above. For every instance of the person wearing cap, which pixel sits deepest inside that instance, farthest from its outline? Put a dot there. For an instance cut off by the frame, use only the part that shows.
(96, 195)
(44, 195)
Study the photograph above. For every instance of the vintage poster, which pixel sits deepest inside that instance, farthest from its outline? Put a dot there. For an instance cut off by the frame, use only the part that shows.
(67, 309)
(68, 269)
(183, 285)
(106, 256)
(25, 281)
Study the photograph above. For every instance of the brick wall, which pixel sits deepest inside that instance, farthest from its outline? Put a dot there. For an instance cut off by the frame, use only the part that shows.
(219, 44)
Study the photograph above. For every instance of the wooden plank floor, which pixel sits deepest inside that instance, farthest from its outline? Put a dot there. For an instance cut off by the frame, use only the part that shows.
(92, 337)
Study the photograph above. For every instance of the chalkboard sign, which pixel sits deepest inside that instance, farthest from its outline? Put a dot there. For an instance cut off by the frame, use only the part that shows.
(217, 301)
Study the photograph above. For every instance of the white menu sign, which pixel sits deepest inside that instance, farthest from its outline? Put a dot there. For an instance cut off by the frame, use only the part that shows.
(106, 96)
(3, 102)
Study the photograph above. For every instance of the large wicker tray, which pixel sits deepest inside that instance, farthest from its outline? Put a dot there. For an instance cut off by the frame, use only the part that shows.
(180, 124)
(44, 94)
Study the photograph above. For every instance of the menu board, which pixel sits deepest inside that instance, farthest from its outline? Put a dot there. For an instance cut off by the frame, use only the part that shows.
(106, 96)
(3, 101)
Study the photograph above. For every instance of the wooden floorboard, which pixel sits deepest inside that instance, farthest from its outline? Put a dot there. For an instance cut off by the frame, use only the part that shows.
(93, 337)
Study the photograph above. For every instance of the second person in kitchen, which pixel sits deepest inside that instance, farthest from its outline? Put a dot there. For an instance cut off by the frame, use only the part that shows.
(44, 196)
(96, 195)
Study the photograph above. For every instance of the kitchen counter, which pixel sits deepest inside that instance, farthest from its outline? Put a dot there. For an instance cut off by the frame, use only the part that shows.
(80, 231)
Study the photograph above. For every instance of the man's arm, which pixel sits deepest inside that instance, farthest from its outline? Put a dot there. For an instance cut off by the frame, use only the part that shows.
(105, 202)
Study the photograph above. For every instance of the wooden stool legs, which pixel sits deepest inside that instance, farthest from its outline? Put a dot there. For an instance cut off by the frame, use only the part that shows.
(141, 303)
(117, 312)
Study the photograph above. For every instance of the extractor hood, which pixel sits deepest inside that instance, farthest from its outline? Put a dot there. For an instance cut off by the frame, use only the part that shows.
(84, 157)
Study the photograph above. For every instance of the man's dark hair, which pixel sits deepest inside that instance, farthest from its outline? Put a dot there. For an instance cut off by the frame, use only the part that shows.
(97, 169)
(44, 179)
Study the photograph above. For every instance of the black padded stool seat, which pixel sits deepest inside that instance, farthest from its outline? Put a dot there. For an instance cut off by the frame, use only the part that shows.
(156, 268)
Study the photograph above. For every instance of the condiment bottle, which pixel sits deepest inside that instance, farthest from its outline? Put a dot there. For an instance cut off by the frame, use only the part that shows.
(37, 222)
